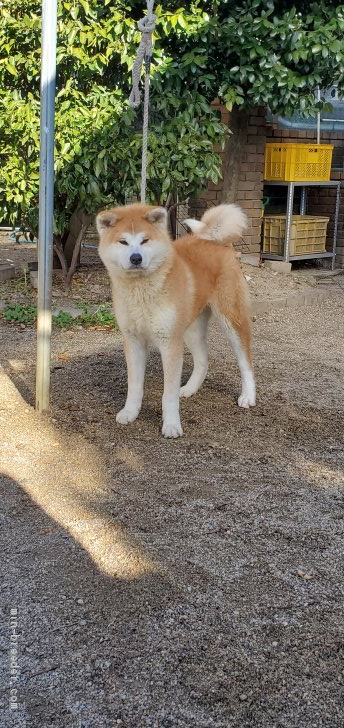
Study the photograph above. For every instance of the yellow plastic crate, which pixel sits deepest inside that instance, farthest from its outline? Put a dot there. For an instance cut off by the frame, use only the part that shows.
(298, 162)
(307, 234)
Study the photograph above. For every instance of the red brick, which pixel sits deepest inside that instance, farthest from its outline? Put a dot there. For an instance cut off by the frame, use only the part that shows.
(209, 195)
(253, 195)
(257, 221)
(254, 205)
(257, 121)
(215, 187)
(252, 139)
(252, 157)
(254, 176)
(255, 212)
(245, 186)
(260, 149)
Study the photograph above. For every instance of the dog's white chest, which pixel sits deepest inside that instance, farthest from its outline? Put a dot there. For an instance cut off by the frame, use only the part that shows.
(145, 315)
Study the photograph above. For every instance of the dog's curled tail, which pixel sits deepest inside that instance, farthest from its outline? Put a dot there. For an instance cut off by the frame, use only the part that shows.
(224, 223)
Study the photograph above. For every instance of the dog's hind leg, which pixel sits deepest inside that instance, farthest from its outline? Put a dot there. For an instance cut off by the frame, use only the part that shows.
(136, 357)
(235, 322)
(195, 338)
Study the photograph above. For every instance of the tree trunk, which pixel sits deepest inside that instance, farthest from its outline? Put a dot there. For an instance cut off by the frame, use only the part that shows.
(79, 220)
(233, 153)
(67, 255)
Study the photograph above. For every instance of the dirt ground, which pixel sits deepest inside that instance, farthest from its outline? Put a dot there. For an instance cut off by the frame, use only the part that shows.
(196, 582)
(91, 282)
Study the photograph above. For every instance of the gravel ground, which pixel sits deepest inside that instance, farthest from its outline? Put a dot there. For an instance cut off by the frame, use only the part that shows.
(91, 282)
(195, 582)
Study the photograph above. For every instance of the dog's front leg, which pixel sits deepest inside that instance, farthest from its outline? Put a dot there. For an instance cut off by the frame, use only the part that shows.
(172, 362)
(136, 357)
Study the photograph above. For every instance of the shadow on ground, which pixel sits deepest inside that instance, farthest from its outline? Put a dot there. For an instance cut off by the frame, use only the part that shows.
(158, 583)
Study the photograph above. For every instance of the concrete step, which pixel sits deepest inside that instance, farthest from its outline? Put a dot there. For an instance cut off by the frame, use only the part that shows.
(7, 271)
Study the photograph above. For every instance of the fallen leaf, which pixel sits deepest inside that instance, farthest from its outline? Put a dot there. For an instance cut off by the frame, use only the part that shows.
(305, 575)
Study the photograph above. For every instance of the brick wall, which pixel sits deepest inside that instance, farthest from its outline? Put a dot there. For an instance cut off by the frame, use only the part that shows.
(251, 176)
(320, 201)
(249, 190)
(252, 135)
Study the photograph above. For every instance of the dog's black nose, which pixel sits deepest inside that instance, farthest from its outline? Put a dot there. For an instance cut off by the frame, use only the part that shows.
(136, 259)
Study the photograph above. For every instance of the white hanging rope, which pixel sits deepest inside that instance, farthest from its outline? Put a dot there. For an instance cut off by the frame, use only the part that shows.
(144, 53)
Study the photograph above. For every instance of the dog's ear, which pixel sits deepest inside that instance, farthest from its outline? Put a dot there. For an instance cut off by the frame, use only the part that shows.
(194, 225)
(106, 219)
(158, 216)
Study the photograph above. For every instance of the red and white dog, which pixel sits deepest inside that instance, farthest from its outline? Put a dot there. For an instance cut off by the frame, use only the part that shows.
(165, 292)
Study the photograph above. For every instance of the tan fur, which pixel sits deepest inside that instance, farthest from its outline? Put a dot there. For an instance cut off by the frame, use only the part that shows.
(194, 273)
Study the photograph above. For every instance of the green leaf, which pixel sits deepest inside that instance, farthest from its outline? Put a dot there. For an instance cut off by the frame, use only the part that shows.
(11, 69)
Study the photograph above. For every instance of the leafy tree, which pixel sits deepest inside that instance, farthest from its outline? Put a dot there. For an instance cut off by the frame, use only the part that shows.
(262, 53)
(249, 53)
(98, 137)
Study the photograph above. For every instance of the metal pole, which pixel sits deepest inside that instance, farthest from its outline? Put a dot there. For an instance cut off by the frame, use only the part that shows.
(335, 231)
(303, 201)
(289, 215)
(46, 202)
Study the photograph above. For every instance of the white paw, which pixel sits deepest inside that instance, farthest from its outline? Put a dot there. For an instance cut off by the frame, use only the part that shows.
(246, 401)
(187, 391)
(172, 429)
(125, 416)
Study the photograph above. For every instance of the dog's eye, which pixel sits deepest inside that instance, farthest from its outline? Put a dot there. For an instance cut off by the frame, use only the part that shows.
(123, 242)
(145, 240)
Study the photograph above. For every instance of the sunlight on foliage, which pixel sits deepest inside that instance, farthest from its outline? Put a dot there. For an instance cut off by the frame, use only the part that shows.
(247, 54)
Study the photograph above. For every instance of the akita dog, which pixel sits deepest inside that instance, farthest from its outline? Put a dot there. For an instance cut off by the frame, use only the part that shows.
(164, 293)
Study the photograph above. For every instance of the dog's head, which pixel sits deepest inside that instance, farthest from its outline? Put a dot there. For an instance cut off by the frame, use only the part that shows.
(133, 239)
